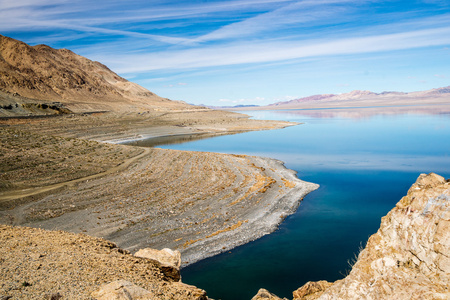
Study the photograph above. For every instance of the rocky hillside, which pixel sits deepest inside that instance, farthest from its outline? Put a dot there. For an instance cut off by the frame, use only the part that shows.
(43, 73)
(39, 264)
(409, 256)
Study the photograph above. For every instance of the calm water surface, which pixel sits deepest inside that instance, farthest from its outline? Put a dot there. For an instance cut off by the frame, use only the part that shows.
(364, 166)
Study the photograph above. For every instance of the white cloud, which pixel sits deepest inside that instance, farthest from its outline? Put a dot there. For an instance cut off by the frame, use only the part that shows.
(271, 51)
(298, 12)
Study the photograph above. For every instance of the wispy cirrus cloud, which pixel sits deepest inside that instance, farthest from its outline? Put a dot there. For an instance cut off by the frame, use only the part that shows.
(112, 18)
(270, 51)
(298, 13)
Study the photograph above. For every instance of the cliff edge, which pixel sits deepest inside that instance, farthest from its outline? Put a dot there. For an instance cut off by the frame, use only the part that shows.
(409, 256)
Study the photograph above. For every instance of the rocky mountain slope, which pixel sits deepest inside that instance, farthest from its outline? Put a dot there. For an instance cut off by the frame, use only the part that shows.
(409, 256)
(47, 74)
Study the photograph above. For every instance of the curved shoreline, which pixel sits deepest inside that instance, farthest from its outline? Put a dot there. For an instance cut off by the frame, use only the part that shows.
(161, 201)
(200, 203)
(261, 222)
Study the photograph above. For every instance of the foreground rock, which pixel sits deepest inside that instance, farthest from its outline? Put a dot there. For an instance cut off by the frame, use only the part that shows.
(166, 259)
(409, 256)
(39, 264)
(264, 294)
(166, 256)
(125, 290)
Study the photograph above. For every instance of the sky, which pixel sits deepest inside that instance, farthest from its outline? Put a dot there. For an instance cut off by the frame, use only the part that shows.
(242, 52)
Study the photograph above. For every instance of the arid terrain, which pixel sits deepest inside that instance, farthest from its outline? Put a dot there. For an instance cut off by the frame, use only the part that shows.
(62, 118)
(58, 172)
(163, 198)
(38, 264)
(406, 259)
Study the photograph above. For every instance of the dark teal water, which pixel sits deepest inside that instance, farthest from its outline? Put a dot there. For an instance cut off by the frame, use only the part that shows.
(364, 166)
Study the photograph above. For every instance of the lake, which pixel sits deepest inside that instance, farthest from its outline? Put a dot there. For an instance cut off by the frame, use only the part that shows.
(364, 164)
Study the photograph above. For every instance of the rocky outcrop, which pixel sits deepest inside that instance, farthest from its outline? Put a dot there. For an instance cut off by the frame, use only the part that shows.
(125, 290)
(266, 295)
(166, 256)
(311, 289)
(166, 259)
(409, 256)
(122, 290)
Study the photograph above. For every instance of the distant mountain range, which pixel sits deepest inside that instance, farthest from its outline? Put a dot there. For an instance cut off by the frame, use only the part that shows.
(358, 99)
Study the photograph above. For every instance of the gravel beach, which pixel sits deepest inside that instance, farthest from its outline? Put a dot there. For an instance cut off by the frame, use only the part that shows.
(196, 202)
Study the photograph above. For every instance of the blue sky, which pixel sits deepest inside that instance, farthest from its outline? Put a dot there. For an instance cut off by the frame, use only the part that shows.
(248, 51)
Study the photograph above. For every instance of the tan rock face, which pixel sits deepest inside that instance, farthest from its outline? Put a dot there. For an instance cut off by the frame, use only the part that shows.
(167, 260)
(165, 256)
(125, 290)
(265, 295)
(409, 256)
(311, 289)
(122, 290)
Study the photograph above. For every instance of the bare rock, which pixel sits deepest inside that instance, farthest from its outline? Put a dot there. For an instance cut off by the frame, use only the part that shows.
(266, 295)
(409, 256)
(125, 290)
(167, 260)
(181, 290)
(166, 256)
(311, 289)
(122, 290)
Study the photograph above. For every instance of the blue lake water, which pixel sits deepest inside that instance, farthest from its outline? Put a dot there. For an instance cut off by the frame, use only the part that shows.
(364, 166)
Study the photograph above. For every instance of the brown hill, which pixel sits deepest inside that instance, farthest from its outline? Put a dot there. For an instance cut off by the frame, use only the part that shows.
(43, 73)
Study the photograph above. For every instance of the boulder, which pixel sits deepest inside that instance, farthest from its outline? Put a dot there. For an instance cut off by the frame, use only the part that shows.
(311, 290)
(266, 295)
(122, 290)
(166, 256)
(125, 290)
(167, 260)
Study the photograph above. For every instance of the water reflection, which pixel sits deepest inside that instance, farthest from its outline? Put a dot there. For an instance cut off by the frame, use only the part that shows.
(361, 112)
(170, 139)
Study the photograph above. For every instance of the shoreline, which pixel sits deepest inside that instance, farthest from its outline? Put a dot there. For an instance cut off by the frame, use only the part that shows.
(201, 214)
(199, 203)
(264, 221)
